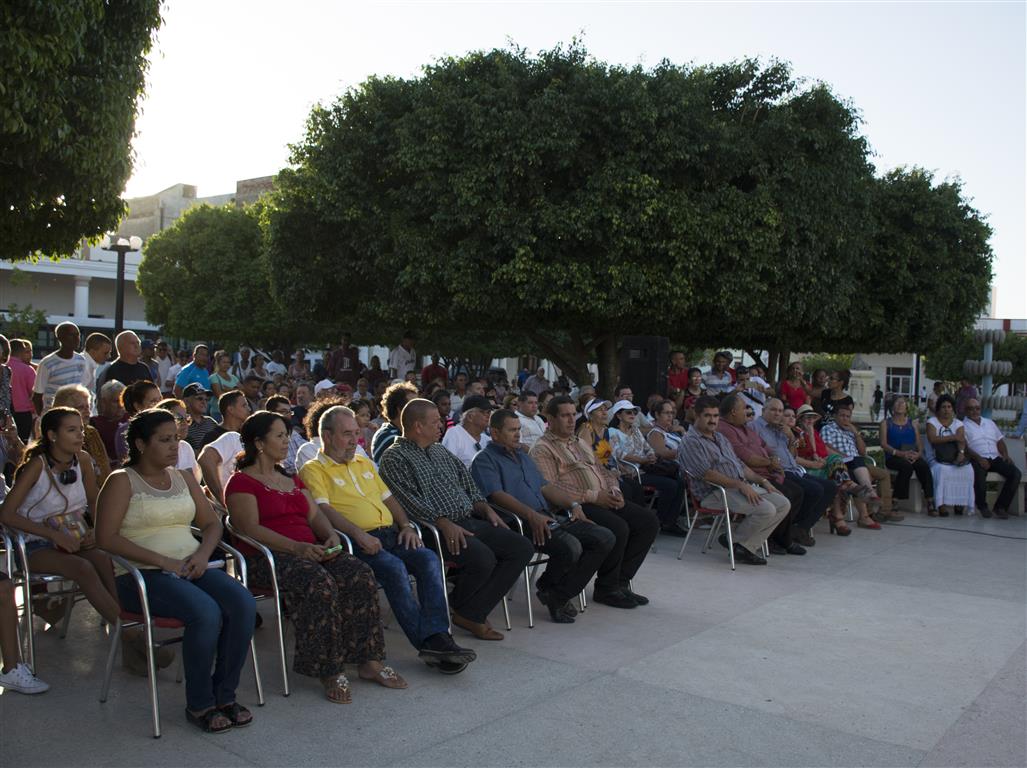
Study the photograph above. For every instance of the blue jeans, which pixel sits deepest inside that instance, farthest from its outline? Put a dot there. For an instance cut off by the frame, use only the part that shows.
(218, 613)
(392, 566)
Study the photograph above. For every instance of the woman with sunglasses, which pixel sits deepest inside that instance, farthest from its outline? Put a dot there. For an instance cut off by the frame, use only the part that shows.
(50, 501)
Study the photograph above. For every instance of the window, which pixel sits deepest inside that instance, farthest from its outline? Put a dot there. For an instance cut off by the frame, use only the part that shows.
(899, 381)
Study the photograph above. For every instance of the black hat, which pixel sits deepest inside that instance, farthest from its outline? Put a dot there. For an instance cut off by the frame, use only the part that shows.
(195, 389)
(477, 401)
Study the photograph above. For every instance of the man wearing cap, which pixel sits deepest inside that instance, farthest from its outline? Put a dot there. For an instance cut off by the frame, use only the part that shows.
(576, 546)
(195, 372)
(817, 492)
(708, 458)
(568, 462)
(465, 439)
(196, 400)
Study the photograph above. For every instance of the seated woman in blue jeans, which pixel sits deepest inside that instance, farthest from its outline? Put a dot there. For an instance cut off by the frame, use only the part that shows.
(144, 515)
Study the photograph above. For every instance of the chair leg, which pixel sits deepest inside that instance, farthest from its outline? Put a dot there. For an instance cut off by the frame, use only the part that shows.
(691, 527)
(527, 595)
(582, 602)
(181, 668)
(256, 672)
(29, 629)
(111, 655)
(69, 604)
(151, 671)
(730, 539)
(506, 613)
(852, 510)
(281, 646)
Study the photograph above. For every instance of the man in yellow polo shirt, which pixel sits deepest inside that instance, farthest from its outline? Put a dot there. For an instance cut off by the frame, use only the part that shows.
(349, 491)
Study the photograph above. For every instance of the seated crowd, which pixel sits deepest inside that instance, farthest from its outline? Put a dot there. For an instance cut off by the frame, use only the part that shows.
(154, 462)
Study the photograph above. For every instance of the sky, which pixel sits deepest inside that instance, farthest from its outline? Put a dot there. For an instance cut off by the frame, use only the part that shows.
(940, 85)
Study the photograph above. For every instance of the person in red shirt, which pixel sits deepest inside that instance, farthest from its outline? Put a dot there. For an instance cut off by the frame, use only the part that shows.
(677, 374)
(434, 371)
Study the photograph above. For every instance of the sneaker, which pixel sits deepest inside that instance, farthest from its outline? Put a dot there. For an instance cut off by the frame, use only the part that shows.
(22, 680)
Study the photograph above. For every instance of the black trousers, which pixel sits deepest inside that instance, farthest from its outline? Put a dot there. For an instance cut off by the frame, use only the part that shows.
(906, 469)
(23, 420)
(817, 495)
(671, 495)
(494, 559)
(635, 529)
(576, 551)
(792, 491)
(1003, 467)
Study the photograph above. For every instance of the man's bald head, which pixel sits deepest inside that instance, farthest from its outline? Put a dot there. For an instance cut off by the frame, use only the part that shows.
(416, 412)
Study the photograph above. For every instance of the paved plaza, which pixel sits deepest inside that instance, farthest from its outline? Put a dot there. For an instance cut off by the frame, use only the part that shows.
(903, 647)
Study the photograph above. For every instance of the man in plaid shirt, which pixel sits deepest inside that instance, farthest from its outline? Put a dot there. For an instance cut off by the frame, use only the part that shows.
(435, 487)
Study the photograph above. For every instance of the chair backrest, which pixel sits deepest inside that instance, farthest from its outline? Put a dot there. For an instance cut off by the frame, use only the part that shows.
(693, 500)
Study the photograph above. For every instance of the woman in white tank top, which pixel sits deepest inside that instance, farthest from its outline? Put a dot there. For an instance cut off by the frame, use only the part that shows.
(50, 501)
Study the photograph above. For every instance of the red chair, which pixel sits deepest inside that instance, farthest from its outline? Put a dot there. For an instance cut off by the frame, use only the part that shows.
(721, 517)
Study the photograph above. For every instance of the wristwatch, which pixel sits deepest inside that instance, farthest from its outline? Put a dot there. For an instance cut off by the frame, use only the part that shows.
(411, 526)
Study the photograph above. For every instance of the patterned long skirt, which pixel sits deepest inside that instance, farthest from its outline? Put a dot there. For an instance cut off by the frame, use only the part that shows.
(334, 608)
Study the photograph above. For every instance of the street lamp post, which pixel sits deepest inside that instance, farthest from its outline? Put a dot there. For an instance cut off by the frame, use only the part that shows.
(121, 246)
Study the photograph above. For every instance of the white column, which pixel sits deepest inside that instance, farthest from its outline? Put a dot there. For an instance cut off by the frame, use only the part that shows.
(81, 296)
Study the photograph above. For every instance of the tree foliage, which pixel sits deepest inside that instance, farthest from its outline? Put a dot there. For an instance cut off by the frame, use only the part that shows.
(205, 277)
(71, 73)
(945, 361)
(23, 322)
(572, 202)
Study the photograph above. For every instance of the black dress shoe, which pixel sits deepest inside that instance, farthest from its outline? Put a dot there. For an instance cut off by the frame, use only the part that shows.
(776, 549)
(673, 530)
(747, 557)
(802, 536)
(545, 598)
(559, 615)
(615, 599)
(796, 549)
(639, 599)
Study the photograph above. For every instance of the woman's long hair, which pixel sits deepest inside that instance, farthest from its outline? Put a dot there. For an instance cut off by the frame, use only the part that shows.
(256, 427)
(135, 393)
(142, 426)
(50, 422)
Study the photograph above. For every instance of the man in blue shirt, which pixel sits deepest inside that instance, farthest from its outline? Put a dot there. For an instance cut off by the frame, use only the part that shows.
(509, 479)
(194, 373)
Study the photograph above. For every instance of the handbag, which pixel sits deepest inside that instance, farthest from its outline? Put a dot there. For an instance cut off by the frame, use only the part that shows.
(946, 453)
(663, 468)
(69, 521)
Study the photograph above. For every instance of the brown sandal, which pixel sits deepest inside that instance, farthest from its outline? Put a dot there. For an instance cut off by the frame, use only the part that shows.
(337, 689)
(386, 677)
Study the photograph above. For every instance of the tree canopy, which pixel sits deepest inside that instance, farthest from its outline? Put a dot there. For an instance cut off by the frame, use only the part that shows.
(570, 202)
(205, 277)
(945, 361)
(71, 73)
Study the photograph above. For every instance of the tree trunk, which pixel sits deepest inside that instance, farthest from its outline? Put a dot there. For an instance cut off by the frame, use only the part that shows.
(608, 350)
(783, 361)
(772, 357)
(572, 361)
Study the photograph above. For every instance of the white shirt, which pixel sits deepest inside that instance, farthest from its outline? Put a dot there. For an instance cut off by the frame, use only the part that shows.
(459, 442)
(402, 360)
(228, 446)
(164, 367)
(187, 459)
(982, 438)
(55, 372)
(532, 428)
(173, 372)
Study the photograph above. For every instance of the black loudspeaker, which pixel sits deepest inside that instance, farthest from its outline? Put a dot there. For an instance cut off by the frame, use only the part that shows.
(643, 366)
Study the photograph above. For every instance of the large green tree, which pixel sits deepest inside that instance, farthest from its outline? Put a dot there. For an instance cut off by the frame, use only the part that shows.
(71, 73)
(573, 202)
(206, 277)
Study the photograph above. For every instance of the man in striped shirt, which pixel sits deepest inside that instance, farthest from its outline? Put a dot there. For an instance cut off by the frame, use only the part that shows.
(708, 457)
(65, 366)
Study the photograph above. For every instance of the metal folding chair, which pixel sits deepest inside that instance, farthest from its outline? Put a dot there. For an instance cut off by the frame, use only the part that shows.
(271, 592)
(447, 566)
(17, 565)
(150, 623)
(721, 516)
